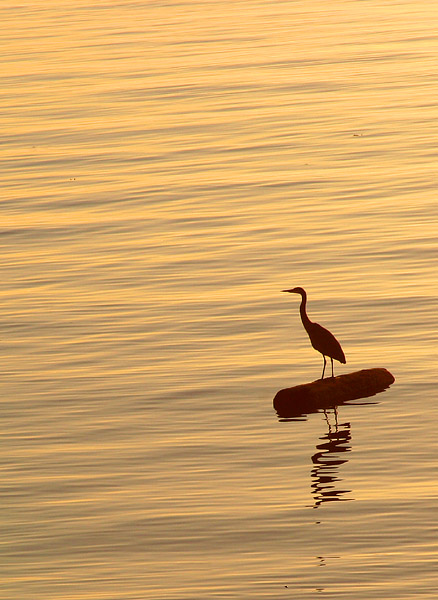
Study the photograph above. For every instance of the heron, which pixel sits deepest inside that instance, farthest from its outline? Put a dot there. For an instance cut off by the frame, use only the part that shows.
(320, 338)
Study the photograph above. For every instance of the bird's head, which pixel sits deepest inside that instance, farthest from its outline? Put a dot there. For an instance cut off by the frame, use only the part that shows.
(296, 290)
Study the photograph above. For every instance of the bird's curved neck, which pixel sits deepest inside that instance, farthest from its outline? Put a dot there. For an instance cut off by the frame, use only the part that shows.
(304, 318)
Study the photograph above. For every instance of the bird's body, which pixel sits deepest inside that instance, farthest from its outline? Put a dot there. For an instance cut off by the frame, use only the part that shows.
(320, 338)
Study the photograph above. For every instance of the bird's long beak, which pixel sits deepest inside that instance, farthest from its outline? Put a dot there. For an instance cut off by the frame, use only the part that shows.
(287, 290)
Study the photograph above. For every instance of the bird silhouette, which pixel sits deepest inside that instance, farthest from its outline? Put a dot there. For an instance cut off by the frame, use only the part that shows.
(320, 338)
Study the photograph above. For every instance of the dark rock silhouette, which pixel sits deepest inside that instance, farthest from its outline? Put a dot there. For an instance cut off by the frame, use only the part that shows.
(329, 393)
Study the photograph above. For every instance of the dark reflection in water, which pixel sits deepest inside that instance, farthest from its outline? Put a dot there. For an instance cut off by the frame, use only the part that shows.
(327, 461)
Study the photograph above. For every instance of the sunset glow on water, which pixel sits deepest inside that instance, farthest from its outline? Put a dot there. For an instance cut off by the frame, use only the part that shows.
(168, 169)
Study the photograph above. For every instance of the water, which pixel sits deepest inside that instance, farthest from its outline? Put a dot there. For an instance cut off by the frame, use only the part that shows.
(169, 167)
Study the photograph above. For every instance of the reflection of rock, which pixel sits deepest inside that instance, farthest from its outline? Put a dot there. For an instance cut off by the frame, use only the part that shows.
(326, 393)
(327, 461)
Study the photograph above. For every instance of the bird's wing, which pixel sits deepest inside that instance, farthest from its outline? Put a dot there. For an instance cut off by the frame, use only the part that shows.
(325, 342)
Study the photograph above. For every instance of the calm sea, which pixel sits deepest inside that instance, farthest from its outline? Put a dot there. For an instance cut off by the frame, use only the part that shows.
(168, 168)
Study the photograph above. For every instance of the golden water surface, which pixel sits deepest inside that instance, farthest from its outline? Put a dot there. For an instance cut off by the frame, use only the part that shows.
(167, 168)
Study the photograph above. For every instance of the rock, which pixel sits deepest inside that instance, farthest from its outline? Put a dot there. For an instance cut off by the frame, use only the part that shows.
(330, 392)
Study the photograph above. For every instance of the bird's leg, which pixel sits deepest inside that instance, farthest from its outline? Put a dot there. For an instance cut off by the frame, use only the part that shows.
(325, 361)
(327, 420)
(332, 365)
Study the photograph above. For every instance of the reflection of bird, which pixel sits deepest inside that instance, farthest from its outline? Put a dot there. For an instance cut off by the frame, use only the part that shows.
(320, 338)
